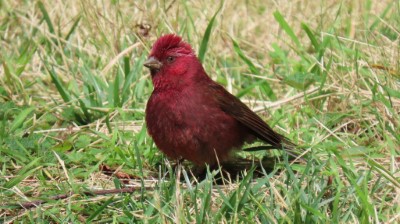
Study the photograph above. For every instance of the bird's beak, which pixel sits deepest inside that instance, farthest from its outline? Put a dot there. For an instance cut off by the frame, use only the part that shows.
(153, 63)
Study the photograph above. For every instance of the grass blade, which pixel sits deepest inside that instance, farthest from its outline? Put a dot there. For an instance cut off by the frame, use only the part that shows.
(26, 56)
(311, 36)
(206, 37)
(384, 172)
(20, 118)
(74, 26)
(99, 210)
(46, 17)
(253, 69)
(245, 59)
(59, 85)
(117, 102)
(382, 15)
(23, 173)
(285, 26)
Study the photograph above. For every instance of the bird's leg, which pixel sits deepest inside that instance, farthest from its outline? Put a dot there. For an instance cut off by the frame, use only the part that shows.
(178, 165)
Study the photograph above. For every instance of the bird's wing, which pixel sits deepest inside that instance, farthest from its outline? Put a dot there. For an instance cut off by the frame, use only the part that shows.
(242, 113)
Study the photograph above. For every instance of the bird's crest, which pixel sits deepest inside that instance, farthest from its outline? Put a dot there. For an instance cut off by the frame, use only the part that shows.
(170, 42)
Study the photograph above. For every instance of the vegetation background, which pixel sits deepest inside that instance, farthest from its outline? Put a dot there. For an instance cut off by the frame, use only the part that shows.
(73, 93)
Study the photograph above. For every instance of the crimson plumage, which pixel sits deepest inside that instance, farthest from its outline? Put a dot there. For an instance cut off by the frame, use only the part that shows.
(192, 117)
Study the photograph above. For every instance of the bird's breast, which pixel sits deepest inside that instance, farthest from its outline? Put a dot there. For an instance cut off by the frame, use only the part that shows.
(191, 126)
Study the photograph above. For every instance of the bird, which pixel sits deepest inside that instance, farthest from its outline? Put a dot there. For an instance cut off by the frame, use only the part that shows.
(191, 117)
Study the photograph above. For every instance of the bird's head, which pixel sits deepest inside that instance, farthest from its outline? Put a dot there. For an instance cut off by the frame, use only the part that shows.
(171, 59)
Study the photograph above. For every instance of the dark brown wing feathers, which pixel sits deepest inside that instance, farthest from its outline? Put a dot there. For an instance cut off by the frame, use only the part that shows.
(233, 106)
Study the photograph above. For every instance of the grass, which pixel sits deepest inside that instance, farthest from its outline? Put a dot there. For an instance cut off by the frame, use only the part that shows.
(73, 93)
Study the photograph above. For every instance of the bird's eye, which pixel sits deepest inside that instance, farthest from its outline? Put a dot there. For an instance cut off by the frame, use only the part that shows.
(170, 59)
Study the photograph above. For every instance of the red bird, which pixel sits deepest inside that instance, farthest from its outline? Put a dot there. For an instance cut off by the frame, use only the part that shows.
(192, 117)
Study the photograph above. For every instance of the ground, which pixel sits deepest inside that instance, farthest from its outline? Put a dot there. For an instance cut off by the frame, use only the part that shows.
(73, 93)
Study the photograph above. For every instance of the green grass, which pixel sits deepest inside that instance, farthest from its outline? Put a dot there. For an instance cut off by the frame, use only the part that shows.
(73, 93)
